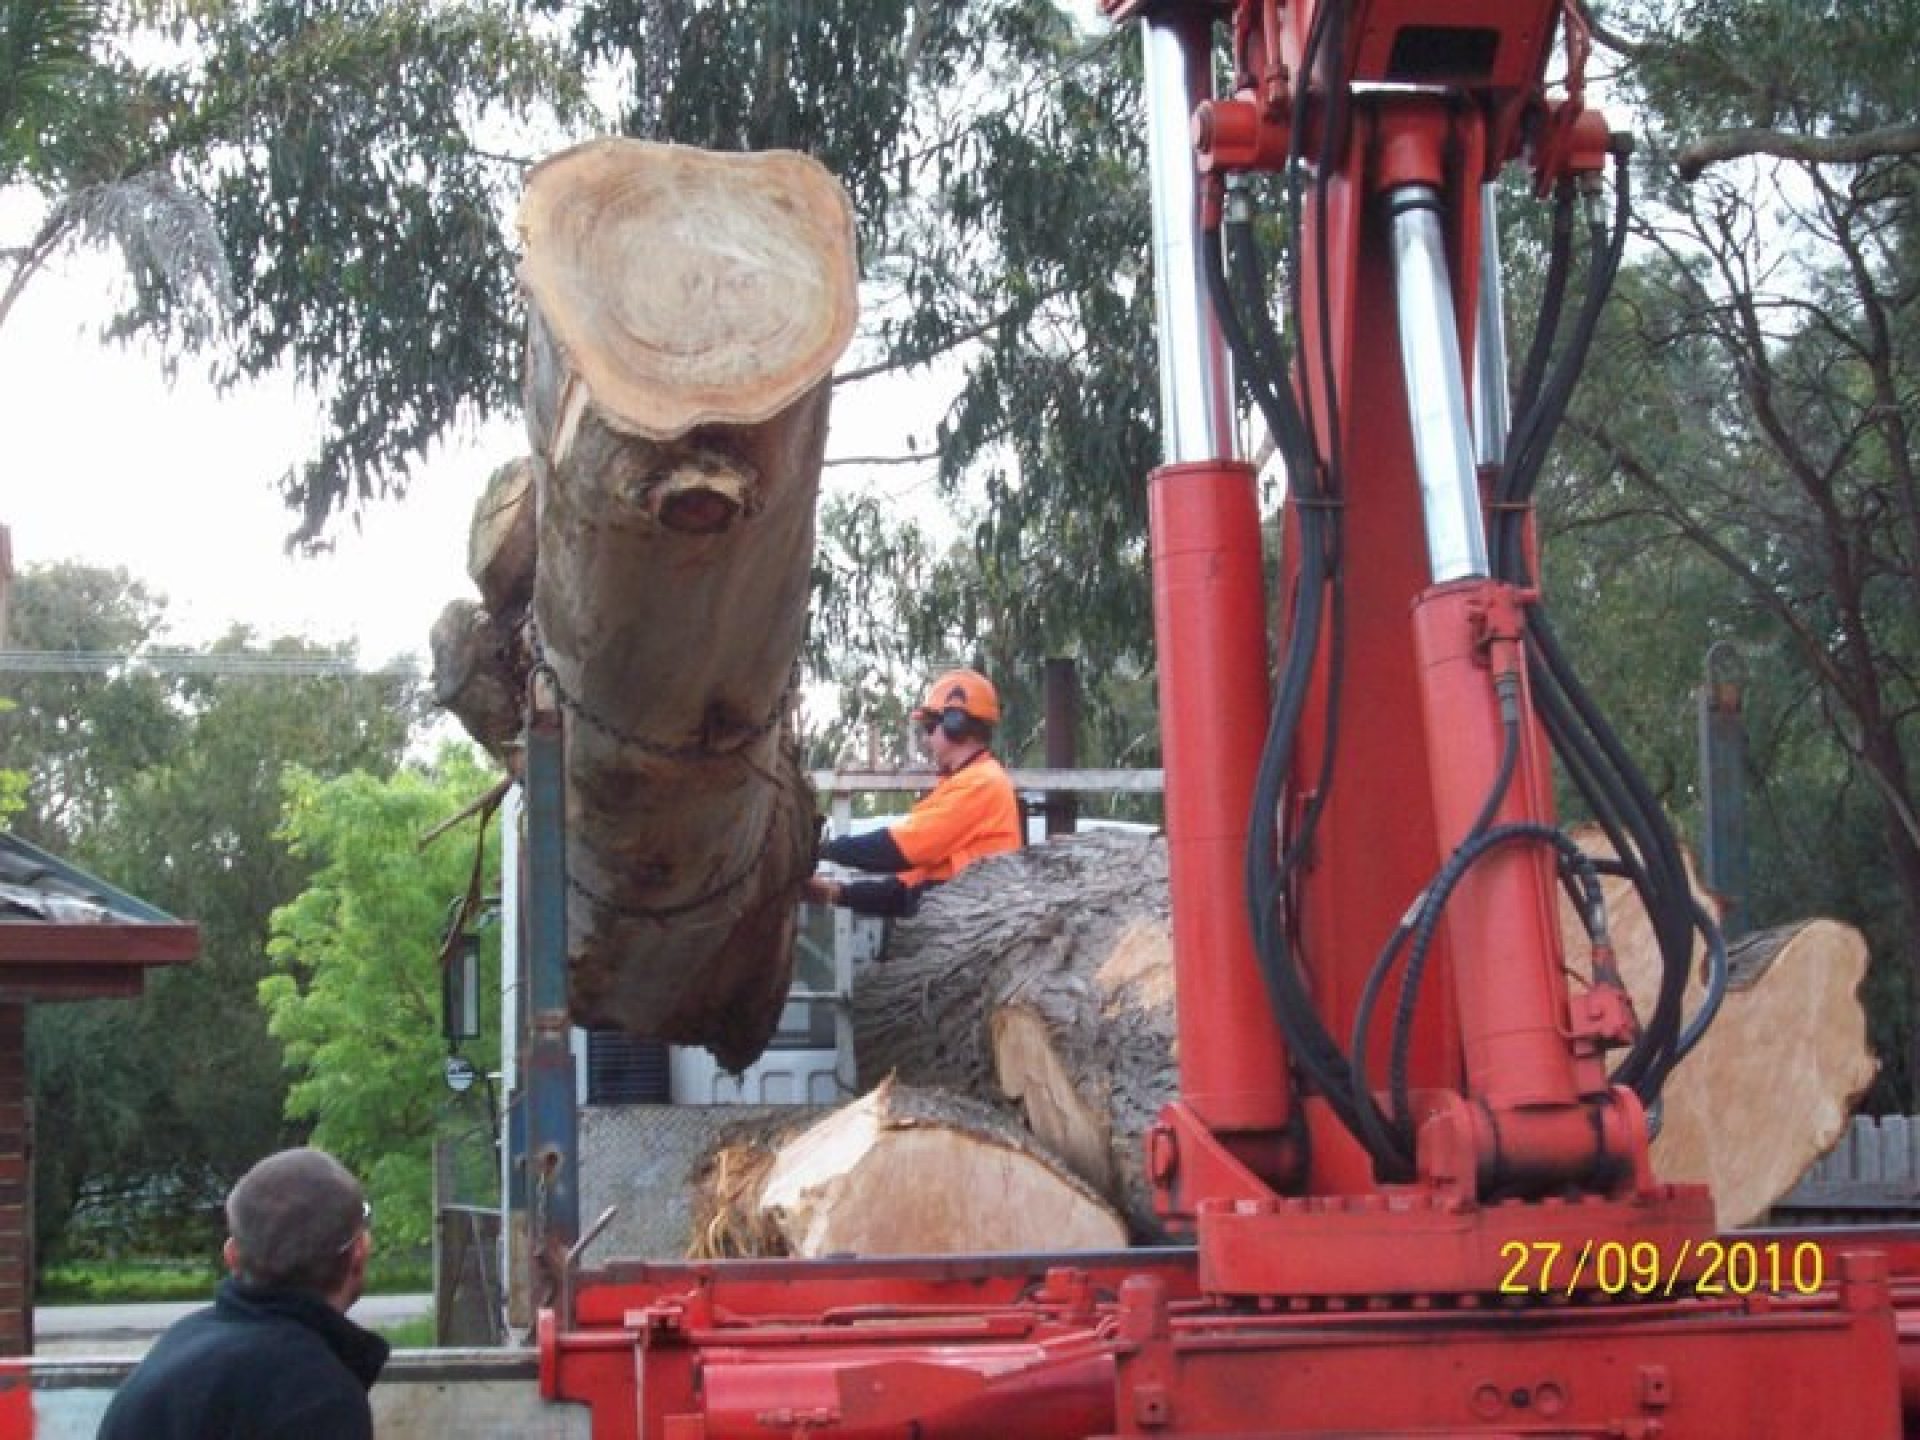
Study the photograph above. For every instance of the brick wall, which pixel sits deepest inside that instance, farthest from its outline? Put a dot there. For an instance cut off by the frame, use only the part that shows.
(16, 1189)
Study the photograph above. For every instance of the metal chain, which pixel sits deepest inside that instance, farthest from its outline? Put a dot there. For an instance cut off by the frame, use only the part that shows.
(698, 751)
(659, 914)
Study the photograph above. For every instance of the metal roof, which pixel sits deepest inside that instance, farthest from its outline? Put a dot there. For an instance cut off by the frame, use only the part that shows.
(68, 935)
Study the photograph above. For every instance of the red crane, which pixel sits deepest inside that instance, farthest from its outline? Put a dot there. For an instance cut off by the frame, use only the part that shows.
(1412, 1157)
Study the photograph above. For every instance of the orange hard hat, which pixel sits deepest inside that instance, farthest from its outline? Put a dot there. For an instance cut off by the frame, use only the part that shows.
(966, 690)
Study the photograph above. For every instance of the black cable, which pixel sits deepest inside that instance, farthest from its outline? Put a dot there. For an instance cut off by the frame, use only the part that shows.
(1588, 750)
(1384, 1135)
(1437, 894)
(1552, 297)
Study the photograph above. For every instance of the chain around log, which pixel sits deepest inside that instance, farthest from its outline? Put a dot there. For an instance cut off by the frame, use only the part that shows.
(698, 751)
(660, 914)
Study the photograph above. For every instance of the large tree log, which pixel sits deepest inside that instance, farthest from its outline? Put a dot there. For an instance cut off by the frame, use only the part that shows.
(1045, 977)
(684, 311)
(898, 1172)
(502, 542)
(1772, 1085)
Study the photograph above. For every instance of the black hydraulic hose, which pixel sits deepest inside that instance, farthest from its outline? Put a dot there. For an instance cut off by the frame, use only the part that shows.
(1382, 1133)
(1716, 984)
(1324, 523)
(1312, 1048)
(1381, 1138)
(1552, 298)
(1669, 900)
(1581, 762)
(1571, 856)
(1588, 750)
(1533, 435)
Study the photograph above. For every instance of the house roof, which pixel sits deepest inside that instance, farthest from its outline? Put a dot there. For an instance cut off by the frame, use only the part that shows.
(68, 935)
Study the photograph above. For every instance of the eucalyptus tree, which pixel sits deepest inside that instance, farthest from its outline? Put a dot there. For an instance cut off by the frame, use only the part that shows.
(1755, 399)
(290, 187)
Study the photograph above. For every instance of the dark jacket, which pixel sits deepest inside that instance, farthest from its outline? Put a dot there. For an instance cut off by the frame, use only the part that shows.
(256, 1365)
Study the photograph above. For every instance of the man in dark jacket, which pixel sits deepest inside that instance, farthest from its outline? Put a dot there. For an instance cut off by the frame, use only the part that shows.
(275, 1357)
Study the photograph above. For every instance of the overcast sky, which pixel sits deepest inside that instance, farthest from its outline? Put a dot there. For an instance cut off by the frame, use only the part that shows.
(108, 464)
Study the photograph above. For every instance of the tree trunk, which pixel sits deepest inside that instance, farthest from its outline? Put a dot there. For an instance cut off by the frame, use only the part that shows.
(1772, 1085)
(1044, 977)
(482, 653)
(899, 1172)
(684, 312)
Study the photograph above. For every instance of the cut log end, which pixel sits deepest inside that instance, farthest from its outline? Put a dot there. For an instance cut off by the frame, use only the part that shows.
(900, 1172)
(750, 285)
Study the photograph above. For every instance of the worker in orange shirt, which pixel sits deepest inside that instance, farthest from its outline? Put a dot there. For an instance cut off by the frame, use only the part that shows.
(971, 812)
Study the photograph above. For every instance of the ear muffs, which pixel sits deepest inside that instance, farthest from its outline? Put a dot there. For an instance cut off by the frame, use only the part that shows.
(955, 723)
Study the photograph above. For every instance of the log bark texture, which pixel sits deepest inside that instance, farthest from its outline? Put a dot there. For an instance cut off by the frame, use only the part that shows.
(1045, 977)
(1772, 1085)
(685, 309)
(482, 653)
(477, 677)
(900, 1171)
(1042, 978)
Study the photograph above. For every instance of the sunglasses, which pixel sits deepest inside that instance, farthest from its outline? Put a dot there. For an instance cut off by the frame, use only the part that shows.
(366, 1223)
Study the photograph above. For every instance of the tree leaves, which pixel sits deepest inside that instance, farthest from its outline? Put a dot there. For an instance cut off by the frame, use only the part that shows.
(355, 997)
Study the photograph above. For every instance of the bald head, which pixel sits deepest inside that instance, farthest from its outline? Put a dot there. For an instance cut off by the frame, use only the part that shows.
(293, 1219)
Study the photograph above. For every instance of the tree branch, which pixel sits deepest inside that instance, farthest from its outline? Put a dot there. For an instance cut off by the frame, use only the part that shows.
(908, 459)
(1723, 145)
(950, 342)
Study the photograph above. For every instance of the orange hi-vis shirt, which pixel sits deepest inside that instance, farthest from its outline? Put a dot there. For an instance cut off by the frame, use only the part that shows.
(969, 815)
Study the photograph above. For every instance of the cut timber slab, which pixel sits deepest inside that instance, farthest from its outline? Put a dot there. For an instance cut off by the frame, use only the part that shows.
(685, 309)
(690, 287)
(901, 1172)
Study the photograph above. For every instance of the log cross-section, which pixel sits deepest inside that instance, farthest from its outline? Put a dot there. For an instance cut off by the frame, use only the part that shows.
(685, 309)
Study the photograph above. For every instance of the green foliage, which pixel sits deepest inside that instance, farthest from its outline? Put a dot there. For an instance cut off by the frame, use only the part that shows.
(44, 46)
(355, 997)
(13, 784)
(167, 786)
(81, 738)
(306, 188)
(338, 150)
(126, 1282)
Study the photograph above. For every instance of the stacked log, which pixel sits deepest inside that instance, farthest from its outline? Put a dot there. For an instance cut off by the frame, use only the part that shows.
(1041, 983)
(1041, 980)
(901, 1171)
(653, 555)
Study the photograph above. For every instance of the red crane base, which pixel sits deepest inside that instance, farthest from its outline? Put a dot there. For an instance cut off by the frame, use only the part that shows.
(1032, 1347)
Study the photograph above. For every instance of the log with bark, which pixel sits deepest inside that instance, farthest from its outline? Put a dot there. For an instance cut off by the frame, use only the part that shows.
(900, 1171)
(1045, 978)
(685, 309)
(1772, 1085)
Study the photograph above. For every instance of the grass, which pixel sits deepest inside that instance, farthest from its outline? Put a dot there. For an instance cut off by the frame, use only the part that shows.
(131, 1282)
(108, 1282)
(414, 1334)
